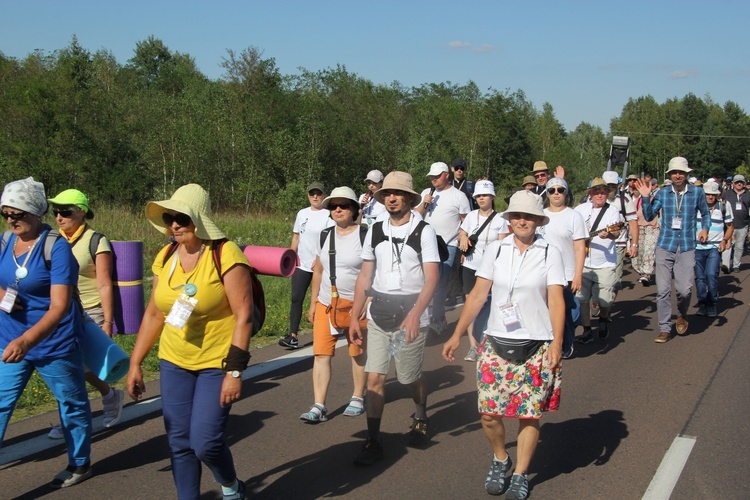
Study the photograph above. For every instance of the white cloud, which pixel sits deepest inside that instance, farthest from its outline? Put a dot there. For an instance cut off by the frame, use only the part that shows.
(456, 44)
(682, 73)
(460, 45)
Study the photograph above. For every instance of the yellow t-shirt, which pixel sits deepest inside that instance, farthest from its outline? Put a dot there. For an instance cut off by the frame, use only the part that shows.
(204, 341)
(87, 267)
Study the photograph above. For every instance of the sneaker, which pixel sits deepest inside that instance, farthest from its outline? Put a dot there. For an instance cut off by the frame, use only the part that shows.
(603, 330)
(519, 487)
(645, 280)
(355, 408)
(240, 495)
(370, 453)
(438, 327)
(681, 325)
(289, 341)
(702, 311)
(71, 476)
(472, 354)
(495, 482)
(712, 313)
(663, 337)
(594, 309)
(418, 434)
(316, 414)
(725, 269)
(569, 353)
(112, 409)
(586, 338)
(56, 432)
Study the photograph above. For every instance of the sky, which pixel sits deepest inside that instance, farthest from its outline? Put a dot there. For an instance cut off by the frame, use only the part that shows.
(585, 58)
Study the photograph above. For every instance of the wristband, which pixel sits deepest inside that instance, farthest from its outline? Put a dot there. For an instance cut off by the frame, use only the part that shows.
(237, 359)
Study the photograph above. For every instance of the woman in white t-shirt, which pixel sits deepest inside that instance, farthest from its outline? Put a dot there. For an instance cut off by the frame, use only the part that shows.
(472, 242)
(347, 237)
(518, 372)
(309, 223)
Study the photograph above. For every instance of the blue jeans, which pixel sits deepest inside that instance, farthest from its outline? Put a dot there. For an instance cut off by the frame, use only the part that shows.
(438, 299)
(64, 377)
(707, 276)
(195, 424)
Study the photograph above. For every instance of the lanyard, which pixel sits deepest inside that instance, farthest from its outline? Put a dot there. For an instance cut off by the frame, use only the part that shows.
(21, 271)
(681, 196)
(518, 271)
(174, 266)
(397, 257)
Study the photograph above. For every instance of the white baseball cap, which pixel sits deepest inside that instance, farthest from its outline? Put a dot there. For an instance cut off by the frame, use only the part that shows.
(374, 176)
(438, 168)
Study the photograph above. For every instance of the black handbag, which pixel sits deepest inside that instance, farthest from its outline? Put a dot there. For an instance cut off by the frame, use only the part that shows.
(474, 237)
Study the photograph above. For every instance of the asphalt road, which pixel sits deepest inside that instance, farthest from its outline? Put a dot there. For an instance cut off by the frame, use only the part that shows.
(627, 403)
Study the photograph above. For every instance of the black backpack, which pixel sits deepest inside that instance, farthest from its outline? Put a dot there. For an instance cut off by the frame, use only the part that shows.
(414, 240)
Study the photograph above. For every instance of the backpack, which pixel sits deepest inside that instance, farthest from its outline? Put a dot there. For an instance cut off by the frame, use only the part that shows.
(325, 232)
(259, 298)
(49, 241)
(414, 240)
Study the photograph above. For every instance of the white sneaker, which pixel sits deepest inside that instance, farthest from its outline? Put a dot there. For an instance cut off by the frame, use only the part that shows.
(472, 354)
(56, 432)
(112, 409)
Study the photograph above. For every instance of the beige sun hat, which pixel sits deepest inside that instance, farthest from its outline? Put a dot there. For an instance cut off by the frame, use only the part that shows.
(529, 179)
(399, 181)
(526, 202)
(540, 166)
(678, 164)
(342, 192)
(191, 200)
(711, 188)
(598, 182)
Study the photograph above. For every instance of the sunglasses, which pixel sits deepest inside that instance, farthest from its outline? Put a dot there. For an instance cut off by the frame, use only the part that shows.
(64, 213)
(182, 220)
(14, 216)
(459, 167)
(315, 193)
(543, 174)
(342, 206)
(559, 190)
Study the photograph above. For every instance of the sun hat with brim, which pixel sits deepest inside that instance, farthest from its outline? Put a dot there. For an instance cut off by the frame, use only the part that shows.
(73, 197)
(342, 192)
(529, 179)
(484, 187)
(398, 181)
(526, 202)
(598, 182)
(678, 164)
(632, 177)
(191, 200)
(540, 166)
(711, 188)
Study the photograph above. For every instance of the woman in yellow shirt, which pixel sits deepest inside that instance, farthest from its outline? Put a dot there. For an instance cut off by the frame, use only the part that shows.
(203, 319)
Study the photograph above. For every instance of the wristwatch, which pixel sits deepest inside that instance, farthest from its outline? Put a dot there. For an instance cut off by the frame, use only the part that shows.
(235, 373)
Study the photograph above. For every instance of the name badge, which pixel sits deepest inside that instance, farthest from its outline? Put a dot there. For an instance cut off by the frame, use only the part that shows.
(9, 300)
(510, 314)
(738, 205)
(181, 311)
(676, 222)
(393, 280)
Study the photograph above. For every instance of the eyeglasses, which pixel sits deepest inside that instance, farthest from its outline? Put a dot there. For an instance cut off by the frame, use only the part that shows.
(14, 216)
(342, 206)
(558, 190)
(64, 213)
(182, 220)
(541, 174)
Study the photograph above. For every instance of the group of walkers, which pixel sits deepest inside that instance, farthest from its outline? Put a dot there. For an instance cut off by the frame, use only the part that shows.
(379, 265)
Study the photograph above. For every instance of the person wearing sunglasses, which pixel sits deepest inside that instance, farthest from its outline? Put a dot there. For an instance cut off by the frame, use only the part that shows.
(541, 174)
(40, 323)
(309, 223)
(71, 210)
(461, 182)
(202, 318)
(347, 247)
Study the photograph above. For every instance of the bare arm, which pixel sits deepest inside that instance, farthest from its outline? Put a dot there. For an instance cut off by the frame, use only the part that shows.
(364, 282)
(317, 277)
(295, 242)
(104, 264)
(151, 326)
(556, 304)
(238, 288)
(474, 302)
(579, 248)
(411, 322)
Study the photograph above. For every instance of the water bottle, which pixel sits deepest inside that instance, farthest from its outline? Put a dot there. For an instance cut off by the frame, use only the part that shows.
(397, 343)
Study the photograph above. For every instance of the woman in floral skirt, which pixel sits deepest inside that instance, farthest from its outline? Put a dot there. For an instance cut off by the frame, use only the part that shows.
(518, 371)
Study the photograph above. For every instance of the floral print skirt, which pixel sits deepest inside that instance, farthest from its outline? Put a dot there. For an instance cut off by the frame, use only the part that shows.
(516, 390)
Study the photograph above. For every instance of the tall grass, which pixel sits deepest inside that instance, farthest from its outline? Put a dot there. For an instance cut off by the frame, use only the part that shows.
(122, 224)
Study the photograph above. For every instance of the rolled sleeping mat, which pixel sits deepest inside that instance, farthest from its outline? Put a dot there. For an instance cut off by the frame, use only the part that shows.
(272, 261)
(102, 355)
(128, 260)
(128, 308)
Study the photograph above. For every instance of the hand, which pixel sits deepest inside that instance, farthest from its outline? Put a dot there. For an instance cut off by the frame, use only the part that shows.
(560, 172)
(311, 314)
(633, 250)
(16, 350)
(463, 244)
(722, 246)
(107, 327)
(231, 389)
(427, 199)
(703, 235)
(603, 234)
(136, 386)
(354, 333)
(411, 324)
(554, 355)
(575, 285)
(643, 187)
(450, 346)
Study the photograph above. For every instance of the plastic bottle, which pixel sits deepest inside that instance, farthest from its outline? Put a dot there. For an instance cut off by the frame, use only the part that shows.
(397, 343)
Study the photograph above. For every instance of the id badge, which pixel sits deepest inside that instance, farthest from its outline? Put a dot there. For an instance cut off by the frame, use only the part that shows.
(676, 222)
(393, 280)
(738, 206)
(11, 294)
(181, 311)
(509, 313)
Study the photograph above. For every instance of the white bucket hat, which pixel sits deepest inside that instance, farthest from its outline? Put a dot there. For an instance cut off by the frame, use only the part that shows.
(678, 164)
(711, 188)
(484, 187)
(191, 200)
(611, 177)
(342, 192)
(526, 202)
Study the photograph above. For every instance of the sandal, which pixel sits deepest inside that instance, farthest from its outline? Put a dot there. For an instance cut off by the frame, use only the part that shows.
(316, 414)
(356, 407)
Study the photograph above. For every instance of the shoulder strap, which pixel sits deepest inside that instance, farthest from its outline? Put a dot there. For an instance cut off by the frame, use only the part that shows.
(332, 259)
(362, 234)
(49, 242)
(598, 219)
(216, 246)
(486, 222)
(5, 239)
(170, 251)
(324, 234)
(622, 205)
(414, 240)
(94, 244)
(378, 236)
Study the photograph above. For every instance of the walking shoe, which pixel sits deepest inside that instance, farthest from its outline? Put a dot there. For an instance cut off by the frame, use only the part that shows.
(317, 413)
(355, 407)
(712, 313)
(437, 327)
(663, 337)
(645, 280)
(586, 338)
(594, 309)
(519, 487)
(603, 330)
(71, 476)
(682, 325)
(472, 354)
(56, 432)
(370, 453)
(724, 269)
(112, 408)
(495, 482)
(289, 341)
(702, 310)
(567, 354)
(418, 434)
(240, 495)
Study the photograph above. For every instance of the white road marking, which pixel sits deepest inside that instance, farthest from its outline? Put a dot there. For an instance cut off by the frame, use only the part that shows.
(669, 470)
(40, 443)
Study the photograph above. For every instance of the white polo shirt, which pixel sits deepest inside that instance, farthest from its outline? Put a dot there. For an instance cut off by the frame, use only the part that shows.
(563, 229)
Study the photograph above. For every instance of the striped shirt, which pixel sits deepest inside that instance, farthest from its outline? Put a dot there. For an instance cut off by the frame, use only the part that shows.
(716, 231)
(674, 235)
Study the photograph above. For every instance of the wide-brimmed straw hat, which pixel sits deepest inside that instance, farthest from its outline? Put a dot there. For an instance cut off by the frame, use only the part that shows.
(529, 179)
(342, 192)
(191, 200)
(399, 181)
(526, 202)
(598, 182)
(540, 166)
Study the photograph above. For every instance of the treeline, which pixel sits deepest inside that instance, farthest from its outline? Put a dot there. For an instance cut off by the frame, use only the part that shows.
(126, 133)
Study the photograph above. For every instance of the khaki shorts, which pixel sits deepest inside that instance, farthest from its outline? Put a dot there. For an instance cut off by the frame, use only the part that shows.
(324, 344)
(598, 284)
(409, 361)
